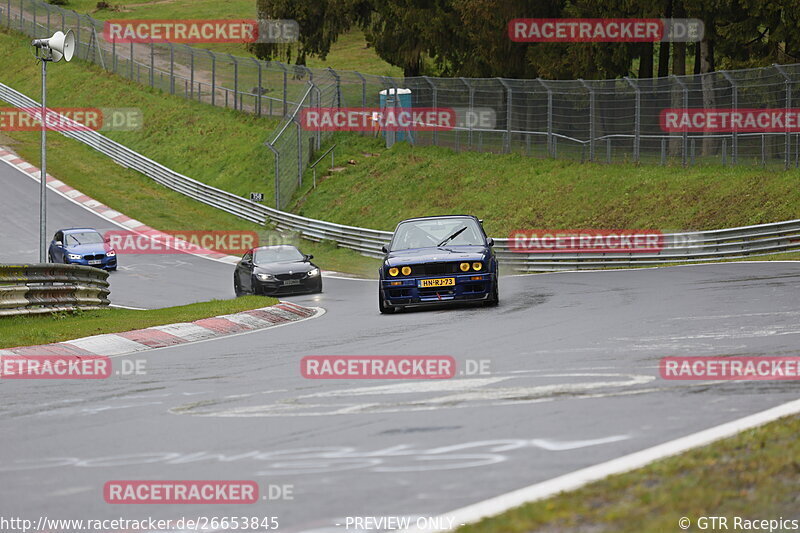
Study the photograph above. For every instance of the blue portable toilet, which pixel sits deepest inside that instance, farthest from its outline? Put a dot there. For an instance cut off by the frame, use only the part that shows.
(396, 98)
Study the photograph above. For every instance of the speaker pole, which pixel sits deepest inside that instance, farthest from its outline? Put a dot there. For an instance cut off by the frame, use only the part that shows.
(43, 172)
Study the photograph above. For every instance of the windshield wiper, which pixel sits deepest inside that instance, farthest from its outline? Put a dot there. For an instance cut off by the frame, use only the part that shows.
(451, 237)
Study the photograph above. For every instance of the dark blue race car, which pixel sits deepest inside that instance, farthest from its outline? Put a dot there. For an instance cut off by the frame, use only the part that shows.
(436, 260)
(82, 246)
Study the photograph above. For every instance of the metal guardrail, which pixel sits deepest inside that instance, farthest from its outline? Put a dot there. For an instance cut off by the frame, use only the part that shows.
(46, 288)
(678, 247)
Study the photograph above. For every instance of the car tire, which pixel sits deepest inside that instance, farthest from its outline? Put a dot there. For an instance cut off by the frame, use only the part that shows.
(382, 305)
(494, 296)
(237, 287)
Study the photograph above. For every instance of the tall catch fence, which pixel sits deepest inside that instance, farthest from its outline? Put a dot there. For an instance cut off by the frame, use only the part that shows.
(602, 120)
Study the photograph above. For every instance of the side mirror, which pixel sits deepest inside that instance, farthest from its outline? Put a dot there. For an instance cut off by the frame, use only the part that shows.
(385, 249)
(309, 257)
(490, 241)
(58, 243)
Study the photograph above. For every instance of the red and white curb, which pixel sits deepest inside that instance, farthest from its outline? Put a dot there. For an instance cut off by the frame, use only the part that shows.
(139, 340)
(102, 210)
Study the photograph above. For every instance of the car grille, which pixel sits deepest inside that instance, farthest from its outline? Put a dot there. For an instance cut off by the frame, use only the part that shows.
(433, 269)
(93, 257)
(295, 275)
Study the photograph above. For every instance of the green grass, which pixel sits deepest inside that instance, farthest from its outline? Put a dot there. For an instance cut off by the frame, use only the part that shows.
(753, 475)
(515, 192)
(350, 52)
(57, 327)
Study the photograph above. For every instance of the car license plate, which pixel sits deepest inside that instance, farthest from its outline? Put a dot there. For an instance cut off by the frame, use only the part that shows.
(292, 282)
(95, 262)
(438, 282)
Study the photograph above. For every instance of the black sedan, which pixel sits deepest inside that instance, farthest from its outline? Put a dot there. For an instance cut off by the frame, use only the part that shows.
(276, 270)
(438, 260)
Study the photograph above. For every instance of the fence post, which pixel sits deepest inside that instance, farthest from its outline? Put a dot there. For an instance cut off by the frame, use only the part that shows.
(734, 107)
(277, 174)
(34, 20)
(637, 119)
(235, 81)
(131, 62)
(550, 139)
(285, 75)
(788, 148)
(434, 99)
(507, 143)
(8, 14)
(47, 8)
(338, 89)
(363, 89)
(471, 106)
(318, 133)
(152, 63)
(686, 108)
(591, 118)
(299, 152)
(260, 88)
(63, 20)
(77, 31)
(171, 69)
(213, 77)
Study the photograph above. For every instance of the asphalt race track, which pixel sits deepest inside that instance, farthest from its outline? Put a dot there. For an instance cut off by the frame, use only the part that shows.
(142, 280)
(572, 382)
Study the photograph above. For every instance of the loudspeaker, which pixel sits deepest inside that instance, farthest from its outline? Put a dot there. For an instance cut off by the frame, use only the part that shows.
(61, 45)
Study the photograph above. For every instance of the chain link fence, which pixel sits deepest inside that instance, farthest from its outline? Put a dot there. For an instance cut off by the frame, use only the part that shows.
(608, 121)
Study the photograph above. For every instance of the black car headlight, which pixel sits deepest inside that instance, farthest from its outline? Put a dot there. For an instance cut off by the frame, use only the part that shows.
(313, 272)
(406, 270)
(477, 266)
(265, 277)
(394, 271)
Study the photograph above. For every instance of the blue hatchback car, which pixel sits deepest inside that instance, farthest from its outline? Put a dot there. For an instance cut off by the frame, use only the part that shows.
(437, 260)
(82, 246)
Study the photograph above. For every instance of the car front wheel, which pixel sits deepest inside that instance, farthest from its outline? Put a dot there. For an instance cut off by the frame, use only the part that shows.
(237, 287)
(384, 308)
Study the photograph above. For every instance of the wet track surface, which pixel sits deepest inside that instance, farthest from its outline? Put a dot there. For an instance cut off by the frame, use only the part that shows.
(573, 382)
(145, 280)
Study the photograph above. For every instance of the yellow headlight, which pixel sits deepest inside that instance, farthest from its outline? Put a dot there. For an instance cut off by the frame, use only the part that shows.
(406, 270)
(477, 266)
(393, 271)
(464, 267)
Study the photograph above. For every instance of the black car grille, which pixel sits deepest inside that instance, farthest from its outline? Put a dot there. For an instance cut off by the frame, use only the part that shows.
(295, 275)
(433, 269)
(93, 257)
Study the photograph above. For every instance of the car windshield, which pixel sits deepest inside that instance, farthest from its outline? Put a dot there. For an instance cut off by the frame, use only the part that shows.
(278, 254)
(86, 237)
(435, 232)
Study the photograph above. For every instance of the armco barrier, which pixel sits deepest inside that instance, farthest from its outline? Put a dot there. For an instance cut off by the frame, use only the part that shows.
(678, 247)
(45, 288)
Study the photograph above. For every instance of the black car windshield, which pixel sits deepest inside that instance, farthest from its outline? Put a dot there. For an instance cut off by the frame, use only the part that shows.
(278, 254)
(86, 237)
(429, 233)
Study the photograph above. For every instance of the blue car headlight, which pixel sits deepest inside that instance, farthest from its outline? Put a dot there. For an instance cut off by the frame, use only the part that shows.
(111, 253)
(74, 257)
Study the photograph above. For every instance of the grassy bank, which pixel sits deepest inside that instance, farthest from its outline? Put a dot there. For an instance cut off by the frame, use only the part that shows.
(753, 475)
(512, 192)
(44, 329)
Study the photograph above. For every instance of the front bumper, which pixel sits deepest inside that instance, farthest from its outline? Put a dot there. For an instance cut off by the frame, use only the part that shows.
(106, 263)
(466, 289)
(275, 288)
